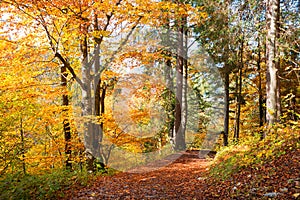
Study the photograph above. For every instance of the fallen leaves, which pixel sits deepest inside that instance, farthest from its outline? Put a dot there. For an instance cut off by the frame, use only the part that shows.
(277, 179)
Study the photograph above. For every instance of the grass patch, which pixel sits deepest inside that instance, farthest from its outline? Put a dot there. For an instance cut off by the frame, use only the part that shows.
(49, 185)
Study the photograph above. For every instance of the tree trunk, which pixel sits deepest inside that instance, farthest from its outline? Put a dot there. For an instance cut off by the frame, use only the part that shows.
(66, 123)
(179, 134)
(99, 97)
(102, 111)
(272, 100)
(87, 106)
(22, 146)
(97, 129)
(170, 105)
(277, 63)
(185, 79)
(236, 105)
(170, 99)
(239, 95)
(226, 107)
(260, 94)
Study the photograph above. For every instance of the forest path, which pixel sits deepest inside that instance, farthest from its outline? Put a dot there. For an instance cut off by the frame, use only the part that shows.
(182, 179)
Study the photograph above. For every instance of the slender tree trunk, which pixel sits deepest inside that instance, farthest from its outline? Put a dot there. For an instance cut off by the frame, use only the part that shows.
(272, 80)
(185, 79)
(227, 70)
(277, 62)
(97, 102)
(66, 123)
(170, 99)
(226, 108)
(102, 111)
(260, 93)
(238, 117)
(278, 98)
(22, 146)
(236, 106)
(239, 95)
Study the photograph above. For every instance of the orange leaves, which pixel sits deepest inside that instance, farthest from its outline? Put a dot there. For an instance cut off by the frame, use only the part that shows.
(179, 180)
(28, 93)
(33, 32)
(140, 116)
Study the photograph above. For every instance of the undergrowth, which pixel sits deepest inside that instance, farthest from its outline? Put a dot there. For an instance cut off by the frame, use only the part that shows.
(253, 152)
(49, 185)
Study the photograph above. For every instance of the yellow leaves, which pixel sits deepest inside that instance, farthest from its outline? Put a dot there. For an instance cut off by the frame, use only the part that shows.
(167, 6)
(105, 6)
(98, 34)
(140, 116)
(30, 77)
(203, 15)
(131, 55)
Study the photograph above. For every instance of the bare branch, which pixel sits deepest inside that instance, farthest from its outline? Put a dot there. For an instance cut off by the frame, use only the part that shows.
(123, 43)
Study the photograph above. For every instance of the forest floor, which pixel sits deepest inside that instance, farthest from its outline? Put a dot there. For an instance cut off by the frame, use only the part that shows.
(187, 178)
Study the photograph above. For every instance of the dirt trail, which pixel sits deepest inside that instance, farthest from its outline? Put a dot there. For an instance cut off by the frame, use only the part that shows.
(182, 179)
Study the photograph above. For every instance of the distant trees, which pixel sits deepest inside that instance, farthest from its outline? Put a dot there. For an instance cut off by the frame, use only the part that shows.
(254, 36)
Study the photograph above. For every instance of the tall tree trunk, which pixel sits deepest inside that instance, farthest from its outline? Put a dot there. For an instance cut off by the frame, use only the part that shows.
(97, 100)
(260, 93)
(170, 98)
(239, 94)
(227, 70)
(277, 62)
(185, 79)
(87, 105)
(179, 135)
(99, 97)
(226, 107)
(239, 102)
(170, 107)
(272, 80)
(66, 122)
(236, 104)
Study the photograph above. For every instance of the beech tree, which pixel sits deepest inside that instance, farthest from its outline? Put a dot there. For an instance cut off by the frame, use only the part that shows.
(272, 87)
(180, 122)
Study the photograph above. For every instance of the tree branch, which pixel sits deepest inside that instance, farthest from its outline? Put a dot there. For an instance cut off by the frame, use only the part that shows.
(71, 70)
